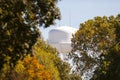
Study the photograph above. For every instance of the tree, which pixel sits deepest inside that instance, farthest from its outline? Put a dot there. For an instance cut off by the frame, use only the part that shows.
(19, 21)
(94, 38)
(48, 57)
(109, 67)
(33, 70)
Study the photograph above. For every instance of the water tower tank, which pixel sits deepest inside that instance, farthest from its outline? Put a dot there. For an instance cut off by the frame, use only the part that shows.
(60, 38)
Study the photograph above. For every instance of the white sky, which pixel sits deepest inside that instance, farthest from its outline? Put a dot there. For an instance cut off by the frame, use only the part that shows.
(74, 12)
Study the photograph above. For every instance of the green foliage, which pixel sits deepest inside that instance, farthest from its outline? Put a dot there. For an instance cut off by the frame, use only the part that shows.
(95, 37)
(19, 21)
(109, 67)
(48, 57)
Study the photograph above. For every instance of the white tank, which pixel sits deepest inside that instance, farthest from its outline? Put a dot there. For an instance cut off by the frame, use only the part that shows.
(60, 38)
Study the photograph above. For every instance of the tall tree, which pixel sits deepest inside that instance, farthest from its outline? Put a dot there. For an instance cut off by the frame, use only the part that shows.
(94, 38)
(109, 68)
(19, 21)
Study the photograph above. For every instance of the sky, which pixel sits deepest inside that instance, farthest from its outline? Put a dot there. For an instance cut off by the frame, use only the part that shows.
(74, 12)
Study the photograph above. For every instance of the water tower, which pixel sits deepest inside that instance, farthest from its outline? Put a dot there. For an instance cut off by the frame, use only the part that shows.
(60, 38)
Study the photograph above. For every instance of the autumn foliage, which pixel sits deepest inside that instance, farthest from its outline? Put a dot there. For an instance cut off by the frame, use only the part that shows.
(28, 69)
(33, 70)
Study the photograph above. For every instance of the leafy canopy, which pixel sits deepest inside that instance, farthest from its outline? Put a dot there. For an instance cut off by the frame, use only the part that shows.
(48, 57)
(19, 22)
(94, 37)
(109, 68)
